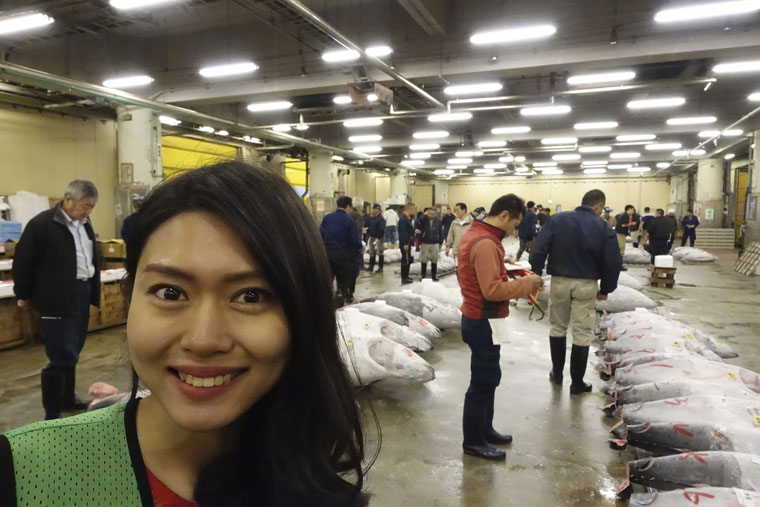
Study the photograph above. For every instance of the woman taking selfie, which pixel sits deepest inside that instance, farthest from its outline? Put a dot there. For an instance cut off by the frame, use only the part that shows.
(231, 328)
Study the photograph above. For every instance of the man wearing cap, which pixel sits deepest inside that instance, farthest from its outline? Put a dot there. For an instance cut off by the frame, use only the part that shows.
(690, 223)
(608, 217)
(375, 225)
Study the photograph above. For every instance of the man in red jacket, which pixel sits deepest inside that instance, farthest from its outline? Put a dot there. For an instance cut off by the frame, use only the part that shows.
(486, 292)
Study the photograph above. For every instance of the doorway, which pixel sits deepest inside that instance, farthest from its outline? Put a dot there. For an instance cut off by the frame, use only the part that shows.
(740, 191)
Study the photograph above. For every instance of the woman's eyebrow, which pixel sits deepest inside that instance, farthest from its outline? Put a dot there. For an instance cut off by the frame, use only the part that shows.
(179, 273)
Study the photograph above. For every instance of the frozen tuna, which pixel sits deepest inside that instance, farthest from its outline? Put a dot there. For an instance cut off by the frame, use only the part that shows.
(706, 497)
(446, 295)
(442, 316)
(689, 255)
(745, 385)
(636, 256)
(400, 317)
(683, 368)
(353, 322)
(675, 437)
(625, 299)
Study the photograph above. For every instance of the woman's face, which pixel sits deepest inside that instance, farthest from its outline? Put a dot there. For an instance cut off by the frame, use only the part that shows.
(205, 332)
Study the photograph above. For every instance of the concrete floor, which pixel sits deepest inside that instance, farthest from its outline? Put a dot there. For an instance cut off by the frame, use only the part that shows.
(560, 454)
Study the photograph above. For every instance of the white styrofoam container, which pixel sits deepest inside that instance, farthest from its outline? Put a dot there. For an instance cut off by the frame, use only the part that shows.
(663, 261)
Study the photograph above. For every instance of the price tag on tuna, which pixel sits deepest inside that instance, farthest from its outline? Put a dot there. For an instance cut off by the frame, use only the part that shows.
(732, 375)
(757, 419)
(350, 342)
(677, 344)
(719, 342)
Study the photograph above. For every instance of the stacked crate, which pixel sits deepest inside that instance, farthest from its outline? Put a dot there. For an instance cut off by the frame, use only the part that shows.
(663, 277)
(113, 307)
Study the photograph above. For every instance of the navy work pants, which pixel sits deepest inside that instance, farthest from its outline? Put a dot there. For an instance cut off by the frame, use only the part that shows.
(65, 333)
(691, 235)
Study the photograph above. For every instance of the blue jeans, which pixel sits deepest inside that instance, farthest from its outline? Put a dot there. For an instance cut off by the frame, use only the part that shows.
(65, 333)
(485, 372)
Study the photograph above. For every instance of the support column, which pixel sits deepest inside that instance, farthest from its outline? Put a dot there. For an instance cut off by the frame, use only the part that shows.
(752, 227)
(709, 193)
(399, 187)
(321, 184)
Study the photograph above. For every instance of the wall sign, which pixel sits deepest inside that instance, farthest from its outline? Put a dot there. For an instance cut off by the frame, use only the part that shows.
(709, 213)
(752, 207)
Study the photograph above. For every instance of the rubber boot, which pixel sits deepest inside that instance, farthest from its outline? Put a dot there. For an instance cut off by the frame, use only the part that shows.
(434, 271)
(70, 400)
(578, 360)
(473, 426)
(493, 436)
(558, 345)
(371, 263)
(380, 262)
(51, 382)
(423, 270)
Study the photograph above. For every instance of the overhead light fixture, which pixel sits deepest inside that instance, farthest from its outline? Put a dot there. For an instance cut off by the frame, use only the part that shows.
(662, 146)
(284, 127)
(430, 134)
(459, 166)
(559, 140)
(136, 4)
(737, 67)
(413, 163)
(553, 172)
(424, 147)
(22, 22)
(443, 172)
(726, 133)
(342, 99)
(545, 110)
(127, 82)
(368, 149)
(588, 163)
(600, 89)
(625, 155)
(639, 169)
(596, 125)
(249, 139)
(706, 11)
(754, 97)
(495, 166)
(636, 137)
(658, 103)
(602, 77)
(222, 133)
(728, 156)
(732, 132)
(473, 89)
(595, 149)
(378, 51)
(595, 170)
(207, 130)
(544, 164)
(372, 97)
(340, 55)
(449, 117)
(519, 158)
(337, 158)
(230, 69)
(168, 120)
(693, 120)
(688, 153)
(362, 122)
(459, 161)
(492, 144)
(522, 169)
(507, 158)
(302, 127)
(513, 35)
(663, 165)
(421, 155)
(619, 166)
(566, 157)
(517, 129)
(369, 138)
(484, 170)
(468, 154)
(276, 105)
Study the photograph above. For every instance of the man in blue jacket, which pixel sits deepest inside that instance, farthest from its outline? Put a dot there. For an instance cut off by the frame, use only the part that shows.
(375, 225)
(342, 242)
(406, 233)
(690, 223)
(582, 248)
(526, 231)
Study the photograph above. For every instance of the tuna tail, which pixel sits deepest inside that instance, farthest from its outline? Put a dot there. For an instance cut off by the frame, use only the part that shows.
(625, 489)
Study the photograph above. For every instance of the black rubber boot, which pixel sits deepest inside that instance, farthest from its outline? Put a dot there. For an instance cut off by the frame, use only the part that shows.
(423, 270)
(380, 262)
(51, 382)
(578, 360)
(70, 400)
(473, 426)
(434, 271)
(558, 345)
(371, 263)
(493, 436)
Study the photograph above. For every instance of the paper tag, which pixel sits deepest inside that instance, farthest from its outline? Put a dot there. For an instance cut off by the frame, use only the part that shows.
(350, 342)
(688, 335)
(756, 418)
(366, 325)
(677, 344)
(732, 375)
(719, 342)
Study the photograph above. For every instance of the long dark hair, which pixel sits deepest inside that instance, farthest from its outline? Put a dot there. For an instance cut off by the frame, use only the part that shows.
(301, 444)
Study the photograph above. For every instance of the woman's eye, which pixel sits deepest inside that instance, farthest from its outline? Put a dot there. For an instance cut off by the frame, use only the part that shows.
(249, 296)
(169, 294)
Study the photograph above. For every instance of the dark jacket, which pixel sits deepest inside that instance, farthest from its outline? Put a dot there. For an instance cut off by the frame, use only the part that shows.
(527, 228)
(672, 224)
(659, 229)
(432, 230)
(405, 230)
(126, 226)
(45, 264)
(446, 221)
(375, 226)
(339, 232)
(358, 218)
(542, 218)
(579, 245)
(645, 221)
(623, 218)
(689, 220)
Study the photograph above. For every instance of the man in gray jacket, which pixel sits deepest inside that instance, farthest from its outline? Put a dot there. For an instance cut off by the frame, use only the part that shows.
(458, 227)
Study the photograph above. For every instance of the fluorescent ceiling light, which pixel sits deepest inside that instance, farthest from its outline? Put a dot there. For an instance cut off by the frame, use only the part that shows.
(507, 158)
(207, 130)
(517, 129)
(559, 140)
(587, 163)
(230, 69)
(656, 103)
(342, 99)
(168, 120)
(595, 170)
(737, 67)
(519, 158)
(522, 169)
(447, 117)
(662, 146)
(732, 132)
(705, 11)
(553, 172)
(362, 122)
(340, 55)
(754, 97)
(135, 4)
(602, 77)
(23, 22)
(694, 120)
(460, 166)
(284, 127)
(639, 169)
(127, 82)
(513, 35)
(302, 127)
(430, 134)
(472, 89)
(369, 138)
(337, 158)
(443, 171)
(729, 156)
(485, 170)
(636, 137)
(468, 154)
(276, 105)
(600, 89)
(420, 155)
(378, 51)
(458, 161)
(426, 147)
(566, 157)
(595, 149)
(625, 155)
(495, 166)
(726, 133)
(368, 149)
(545, 110)
(544, 164)
(492, 144)
(372, 97)
(596, 125)
(222, 133)
(413, 162)
(249, 139)
(619, 166)
(688, 153)
(662, 165)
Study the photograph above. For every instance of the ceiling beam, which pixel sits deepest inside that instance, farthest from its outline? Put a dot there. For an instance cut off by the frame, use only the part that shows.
(422, 16)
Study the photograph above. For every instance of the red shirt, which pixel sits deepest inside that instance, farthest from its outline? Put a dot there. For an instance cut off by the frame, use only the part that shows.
(163, 496)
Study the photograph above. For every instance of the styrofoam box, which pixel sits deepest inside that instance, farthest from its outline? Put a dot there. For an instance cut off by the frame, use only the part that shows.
(663, 261)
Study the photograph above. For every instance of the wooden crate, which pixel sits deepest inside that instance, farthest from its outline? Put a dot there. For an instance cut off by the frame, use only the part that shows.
(113, 307)
(18, 326)
(663, 277)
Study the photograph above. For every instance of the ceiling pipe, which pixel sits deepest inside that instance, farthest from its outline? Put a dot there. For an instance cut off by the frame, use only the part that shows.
(344, 41)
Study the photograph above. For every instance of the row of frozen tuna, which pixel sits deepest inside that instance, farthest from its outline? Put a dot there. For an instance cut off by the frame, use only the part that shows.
(381, 337)
(695, 417)
(685, 254)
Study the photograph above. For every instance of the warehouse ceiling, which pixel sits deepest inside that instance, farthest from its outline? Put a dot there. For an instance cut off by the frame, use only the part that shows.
(92, 41)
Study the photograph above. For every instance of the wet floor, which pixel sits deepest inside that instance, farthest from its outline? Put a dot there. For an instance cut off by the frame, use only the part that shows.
(560, 454)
